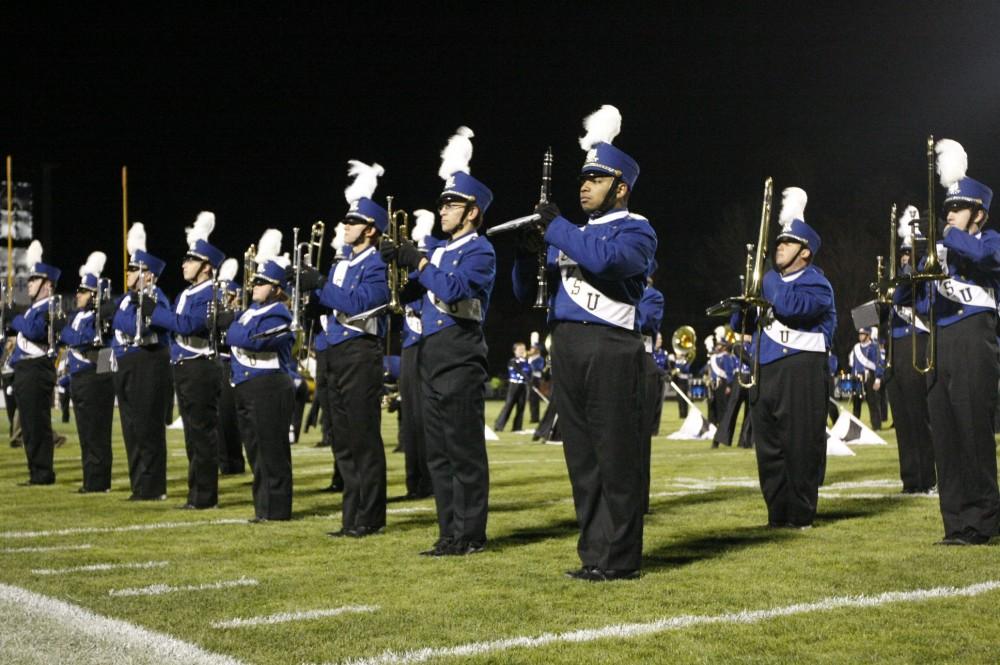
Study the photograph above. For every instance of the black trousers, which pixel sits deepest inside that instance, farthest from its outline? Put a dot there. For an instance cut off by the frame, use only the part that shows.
(264, 408)
(34, 381)
(517, 394)
(873, 399)
(730, 411)
(322, 396)
(652, 407)
(453, 374)
(534, 401)
(142, 403)
(94, 407)
(907, 390)
(961, 399)
(788, 407)
(411, 423)
(598, 386)
(354, 388)
(548, 426)
(682, 405)
(230, 445)
(10, 401)
(197, 384)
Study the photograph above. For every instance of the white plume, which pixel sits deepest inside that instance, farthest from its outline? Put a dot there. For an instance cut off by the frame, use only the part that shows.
(228, 270)
(710, 343)
(136, 239)
(422, 227)
(904, 230)
(793, 206)
(365, 180)
(457, 154)
(602, 126)
(720, 332)
(34, 254)
(284, 261)
(874, 332)
(94, 265)
(203, 227)
(534, 338)
(952, 161)
(338, 240)
(269, 246)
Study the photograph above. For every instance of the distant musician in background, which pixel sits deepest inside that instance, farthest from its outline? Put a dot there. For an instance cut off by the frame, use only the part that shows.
(518, 378)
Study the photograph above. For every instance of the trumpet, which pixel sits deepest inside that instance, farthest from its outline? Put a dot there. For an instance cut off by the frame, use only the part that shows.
(398, 232)
(140, 295)
(751, 297)
(305, 254)
(249, 268)
(683, 342)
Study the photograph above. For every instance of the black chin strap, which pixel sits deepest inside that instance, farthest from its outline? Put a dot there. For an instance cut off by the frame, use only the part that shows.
(609, 197)
(790, 261)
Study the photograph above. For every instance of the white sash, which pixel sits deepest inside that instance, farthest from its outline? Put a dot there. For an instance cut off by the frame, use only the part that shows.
(413, 321)
(967, 294)
(257, 359)
(862, 359)
(906, 313)
(717, 371)
(799, 340)
(29, 348)
(361, 323)
(590, 299)
(470, 308)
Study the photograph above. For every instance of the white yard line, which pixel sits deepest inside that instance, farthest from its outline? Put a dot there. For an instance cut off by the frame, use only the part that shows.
(406, 511)
(100, 567)
(630, 630)
(285, 617)
(872, 495)
(160, 589)
(116, 529)
(50, 548)
(74, 634)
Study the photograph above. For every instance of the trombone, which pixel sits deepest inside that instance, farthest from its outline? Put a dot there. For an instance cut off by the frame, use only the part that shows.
(751, 297)
(398, 231)
(249, 269)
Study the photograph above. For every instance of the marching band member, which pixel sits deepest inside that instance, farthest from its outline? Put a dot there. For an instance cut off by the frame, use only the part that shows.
(230, 445)
(34, 371)
(411, 419)
(962, 391)
(518, 376)
(260, 341)
(537, 363)
(91, 390)
(600, 270)
(723, 365)
(195, 370)
(867, 369)
(142, 371)
(907, 388)
(788, 404)
(357, 294)
(458, 278)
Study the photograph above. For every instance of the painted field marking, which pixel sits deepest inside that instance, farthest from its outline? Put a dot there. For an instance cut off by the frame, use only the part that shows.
(160, 589)
(872, 495)
(116, 640)
(49, 548)
(100, 567)
(630, 630)
(285, 617)
(116, 529)
(406, 511)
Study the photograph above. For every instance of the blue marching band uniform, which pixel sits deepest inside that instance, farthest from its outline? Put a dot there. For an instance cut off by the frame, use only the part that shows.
(605, 316)
(867, 369)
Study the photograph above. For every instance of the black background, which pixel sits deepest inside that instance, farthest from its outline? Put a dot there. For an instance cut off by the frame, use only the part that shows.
(252, 110)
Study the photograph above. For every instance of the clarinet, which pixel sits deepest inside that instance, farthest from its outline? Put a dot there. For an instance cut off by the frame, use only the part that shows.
(542, 292)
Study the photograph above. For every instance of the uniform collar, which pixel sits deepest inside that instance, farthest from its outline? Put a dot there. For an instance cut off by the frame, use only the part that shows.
(195, 288)
(609, 217)
(455, 244)
(40, 303)
(361, 257)
(793, 276)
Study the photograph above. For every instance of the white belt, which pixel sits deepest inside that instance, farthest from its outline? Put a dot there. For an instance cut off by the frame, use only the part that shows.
(196, 345)
(128, 340)
(257, 359)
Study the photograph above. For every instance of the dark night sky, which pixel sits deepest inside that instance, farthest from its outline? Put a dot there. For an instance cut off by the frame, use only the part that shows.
(251, 110)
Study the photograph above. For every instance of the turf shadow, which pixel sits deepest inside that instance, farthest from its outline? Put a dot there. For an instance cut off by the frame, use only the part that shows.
(701, 548)
(522, 537)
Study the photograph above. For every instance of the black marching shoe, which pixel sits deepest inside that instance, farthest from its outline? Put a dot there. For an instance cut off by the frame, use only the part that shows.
(609, 575)
(465, 547)
(339, 533)
(363, 531)
(440, 548)
(333, 488)
(964, 540)
(257, 520)
(582, 573)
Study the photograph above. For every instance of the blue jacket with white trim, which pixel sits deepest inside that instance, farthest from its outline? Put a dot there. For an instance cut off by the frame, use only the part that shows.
(362, 288)
(459, 282)
(188, 322)
(260, 341)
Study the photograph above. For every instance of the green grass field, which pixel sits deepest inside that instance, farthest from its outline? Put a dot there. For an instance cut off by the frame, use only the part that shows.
(707, 558)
